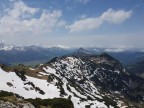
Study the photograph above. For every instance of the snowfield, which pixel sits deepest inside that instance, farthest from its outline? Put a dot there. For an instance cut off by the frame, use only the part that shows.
(26, 91)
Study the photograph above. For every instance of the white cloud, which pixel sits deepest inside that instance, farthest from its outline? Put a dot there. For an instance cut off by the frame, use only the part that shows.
(114, 50)
(69, 8)
(110, 16)
(83, 1)
(83, 16)
(20, 9)
(21, 19)
(113, 16)
(78, 1)
(85, 24)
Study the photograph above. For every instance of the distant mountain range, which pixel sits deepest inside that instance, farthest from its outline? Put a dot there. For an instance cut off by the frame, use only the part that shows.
(126, 57)
(10, 54)
(29, 54)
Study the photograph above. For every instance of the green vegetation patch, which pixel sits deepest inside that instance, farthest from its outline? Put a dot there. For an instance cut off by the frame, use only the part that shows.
(52, 103)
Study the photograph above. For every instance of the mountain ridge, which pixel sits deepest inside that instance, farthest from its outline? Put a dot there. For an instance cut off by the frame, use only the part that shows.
(11, 54)
(92, 81)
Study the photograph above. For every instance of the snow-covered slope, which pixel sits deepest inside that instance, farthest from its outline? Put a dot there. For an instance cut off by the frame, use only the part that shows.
(88, 81)
(79, 92)
(10, 82)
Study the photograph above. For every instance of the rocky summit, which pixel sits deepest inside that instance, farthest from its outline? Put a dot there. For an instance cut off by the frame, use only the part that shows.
(90, 81)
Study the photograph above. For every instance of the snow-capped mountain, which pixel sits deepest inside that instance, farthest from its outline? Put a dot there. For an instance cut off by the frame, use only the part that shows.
(10, 54)
(5, 47)
(94, 81)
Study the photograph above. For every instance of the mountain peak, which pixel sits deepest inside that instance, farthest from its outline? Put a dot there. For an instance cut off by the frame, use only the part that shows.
(5, 47)
(83, 52)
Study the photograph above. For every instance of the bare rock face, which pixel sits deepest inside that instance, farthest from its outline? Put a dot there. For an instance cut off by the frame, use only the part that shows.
(8, 104)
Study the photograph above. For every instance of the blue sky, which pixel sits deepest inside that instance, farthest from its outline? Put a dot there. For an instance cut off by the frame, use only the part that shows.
(73, 23)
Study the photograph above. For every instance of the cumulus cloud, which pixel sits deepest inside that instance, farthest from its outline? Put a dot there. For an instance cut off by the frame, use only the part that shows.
(20, 18)
(110, 16)
(113, 16)
(19, 9)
